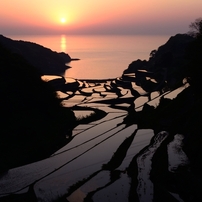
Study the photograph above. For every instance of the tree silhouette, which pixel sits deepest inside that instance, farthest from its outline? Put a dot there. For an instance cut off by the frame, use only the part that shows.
(196, 28)
(194, 54)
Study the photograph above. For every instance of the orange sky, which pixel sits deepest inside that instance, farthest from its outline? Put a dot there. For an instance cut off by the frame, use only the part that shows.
(98, 16)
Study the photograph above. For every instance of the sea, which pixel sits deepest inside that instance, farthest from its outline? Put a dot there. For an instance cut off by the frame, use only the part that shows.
(100, 56)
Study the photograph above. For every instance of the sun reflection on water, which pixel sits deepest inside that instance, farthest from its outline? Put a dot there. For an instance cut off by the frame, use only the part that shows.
(63, 43)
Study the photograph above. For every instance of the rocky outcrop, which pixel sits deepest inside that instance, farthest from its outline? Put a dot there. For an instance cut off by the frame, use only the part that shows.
(44, 59)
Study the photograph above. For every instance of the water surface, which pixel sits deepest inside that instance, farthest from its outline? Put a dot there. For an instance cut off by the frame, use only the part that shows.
(101, 56)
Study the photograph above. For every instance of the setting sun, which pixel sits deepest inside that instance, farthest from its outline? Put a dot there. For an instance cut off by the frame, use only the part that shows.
(96, 17)
(63, 20)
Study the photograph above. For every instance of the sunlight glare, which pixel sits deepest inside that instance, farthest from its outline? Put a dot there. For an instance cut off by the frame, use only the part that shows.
(63, 20)
(63, 43)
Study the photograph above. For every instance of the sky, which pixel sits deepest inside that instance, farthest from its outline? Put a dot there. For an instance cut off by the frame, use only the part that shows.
(144, 17)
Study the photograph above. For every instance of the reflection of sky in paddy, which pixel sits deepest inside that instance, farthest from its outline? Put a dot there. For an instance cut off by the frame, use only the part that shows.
(154, 99)
(96, 182)
(95, 99)
(121, 185)
(94, 89)
(124, 92)
(75, 132)
(61, 94)
(127, 95)
(89, 162)
(153, 80)
(50, 77)
(174, 93)
(139, 102)
(83, 127)
(73, 101)
(170, 95)
(104, 107)
(123, 105)
(88, 90)
(138, 89)
(82, 113)
(100, 131)
(69, 80)
(142, 138)
(86, 152)
(80, 83)
(100, 89)
(154, 94)
(69, 92)
(108, 94)
(98, 96)
(109, 117)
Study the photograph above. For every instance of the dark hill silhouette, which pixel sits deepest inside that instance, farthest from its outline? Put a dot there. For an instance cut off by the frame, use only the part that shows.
(44, 59)
(33, 123)
(168, 62)
(179, 58)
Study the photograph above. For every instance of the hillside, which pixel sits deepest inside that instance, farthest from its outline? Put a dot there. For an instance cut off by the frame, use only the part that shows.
(33, 122)
(42, 58)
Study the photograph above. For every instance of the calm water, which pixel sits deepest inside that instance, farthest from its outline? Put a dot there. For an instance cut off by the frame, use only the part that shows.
(101, 57)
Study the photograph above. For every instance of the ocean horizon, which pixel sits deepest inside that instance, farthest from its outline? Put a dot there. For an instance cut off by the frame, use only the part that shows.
(101, 56)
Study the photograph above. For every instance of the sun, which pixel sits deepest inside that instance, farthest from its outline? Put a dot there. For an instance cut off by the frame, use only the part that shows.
(63, 20)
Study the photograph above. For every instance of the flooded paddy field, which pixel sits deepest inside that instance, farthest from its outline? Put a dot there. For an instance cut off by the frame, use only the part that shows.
(109, 156)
